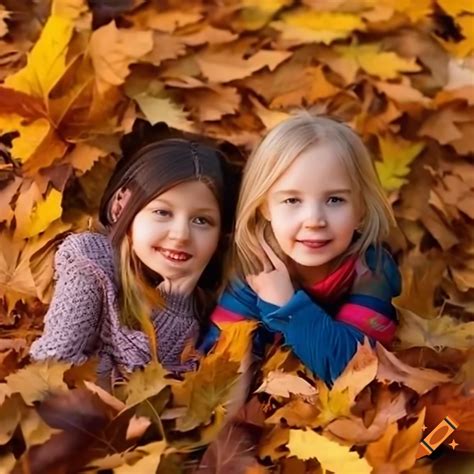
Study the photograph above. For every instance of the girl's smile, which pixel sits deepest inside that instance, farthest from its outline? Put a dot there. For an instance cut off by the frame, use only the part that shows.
(177, 233)
(313, 211)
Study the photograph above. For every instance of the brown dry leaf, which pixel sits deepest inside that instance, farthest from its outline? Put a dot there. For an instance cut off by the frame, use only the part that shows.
(297, 413)
(281, 384)
(391, 369)
(403, 94)
(353, 430)
(274, 443)
(105, 396)
(205, 33)
(165, 47)
(6, 196)
(221, 65)
(167, 21)
(83, 156)
(443, 125)
(269, 118)
(113, 50)
(213, 102)
(3, 25)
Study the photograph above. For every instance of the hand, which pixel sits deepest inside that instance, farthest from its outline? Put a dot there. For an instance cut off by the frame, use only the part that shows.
(273, 284)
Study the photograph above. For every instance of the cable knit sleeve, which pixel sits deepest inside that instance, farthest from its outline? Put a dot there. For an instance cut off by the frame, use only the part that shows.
(72, 321)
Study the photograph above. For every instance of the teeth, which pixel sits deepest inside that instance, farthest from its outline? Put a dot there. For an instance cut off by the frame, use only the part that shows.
(174, 255)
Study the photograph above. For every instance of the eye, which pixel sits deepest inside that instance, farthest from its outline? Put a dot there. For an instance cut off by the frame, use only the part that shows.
(335, 200)
(161, 213)
(201, 220)
(291, 201)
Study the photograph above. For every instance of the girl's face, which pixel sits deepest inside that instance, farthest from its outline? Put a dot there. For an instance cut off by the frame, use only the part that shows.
(313, 211)
(177, 233)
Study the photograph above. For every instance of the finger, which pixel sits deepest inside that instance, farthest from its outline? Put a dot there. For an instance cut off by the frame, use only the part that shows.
(276, 262)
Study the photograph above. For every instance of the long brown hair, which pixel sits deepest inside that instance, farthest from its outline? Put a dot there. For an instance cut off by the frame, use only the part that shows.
(146, 172)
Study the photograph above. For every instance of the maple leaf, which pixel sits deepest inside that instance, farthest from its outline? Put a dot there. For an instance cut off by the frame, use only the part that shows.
(306, 26)
(297, 413)
(255, 14)
(3, 25)
(208, 388)
(34, 429)
(10, 415)
(397, 448)
(331, 455)
(224, 65)
(46, 61)
(391, 369)
(37, 381)
(436, 333)
(373, 60)
(332, 404)
(145, 383)
(150, 461)
(359, 372)
(396, 156)
(113, 50)
(281, 384)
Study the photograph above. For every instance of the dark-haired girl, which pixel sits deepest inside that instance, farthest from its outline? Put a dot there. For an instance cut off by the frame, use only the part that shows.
(143, 290)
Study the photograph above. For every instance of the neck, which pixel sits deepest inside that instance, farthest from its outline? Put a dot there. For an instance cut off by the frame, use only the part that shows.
(307, 276)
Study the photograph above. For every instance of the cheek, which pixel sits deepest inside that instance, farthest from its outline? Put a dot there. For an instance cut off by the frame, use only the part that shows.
(207, 244)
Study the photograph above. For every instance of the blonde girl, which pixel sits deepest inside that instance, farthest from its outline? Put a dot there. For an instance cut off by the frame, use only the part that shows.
(309, 260)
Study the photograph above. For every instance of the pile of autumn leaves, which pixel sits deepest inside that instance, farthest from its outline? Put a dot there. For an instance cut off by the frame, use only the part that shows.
(75, 77)
(56, 419)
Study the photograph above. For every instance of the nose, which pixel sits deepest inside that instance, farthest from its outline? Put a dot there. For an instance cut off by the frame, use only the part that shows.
(179, 229)
(315, 216)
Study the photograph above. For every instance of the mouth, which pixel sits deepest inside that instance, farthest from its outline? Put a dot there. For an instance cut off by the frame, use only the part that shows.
(313, 243)
(174, 255)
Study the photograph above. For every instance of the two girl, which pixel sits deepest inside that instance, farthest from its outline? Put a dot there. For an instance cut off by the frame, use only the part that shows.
(143, 290)
(308, 259)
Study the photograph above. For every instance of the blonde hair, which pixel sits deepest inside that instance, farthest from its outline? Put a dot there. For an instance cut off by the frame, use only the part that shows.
(274, 155)
(137, 297)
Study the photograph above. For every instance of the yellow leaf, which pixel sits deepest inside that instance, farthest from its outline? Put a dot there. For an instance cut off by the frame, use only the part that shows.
(10, 415)
(224, 65)
(332, 404)
(37, 381)
(257, 13)
(44, 213)
(396, 155)
(113, 50)
(7, 462)
(281, 384)
(46, 61)
(145, 383)
(436, 333)
(359, 372)
(235, 339)
(148, 463)
(303, 25)
(35, 430)
(456, 7)
(168, 21)
(383, 64)
(270, 118)
(164, 110)
(331, 455)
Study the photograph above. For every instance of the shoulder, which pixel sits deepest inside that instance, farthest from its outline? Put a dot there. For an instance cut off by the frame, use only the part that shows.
(85, 248)
(239, 297)
(382, 264)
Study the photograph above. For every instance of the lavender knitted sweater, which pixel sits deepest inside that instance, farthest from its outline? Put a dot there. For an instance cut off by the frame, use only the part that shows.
(83, 318)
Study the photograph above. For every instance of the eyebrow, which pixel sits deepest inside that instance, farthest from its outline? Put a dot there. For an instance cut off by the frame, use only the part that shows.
(159, 200)
(329, 191)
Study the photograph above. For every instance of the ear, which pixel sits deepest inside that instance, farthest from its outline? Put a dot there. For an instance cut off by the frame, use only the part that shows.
(265, 211)
(118, 203)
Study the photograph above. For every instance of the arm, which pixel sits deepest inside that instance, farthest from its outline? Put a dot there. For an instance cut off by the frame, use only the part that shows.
(72, 320)
(238, 303)
(325, 346)
(369, 306)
